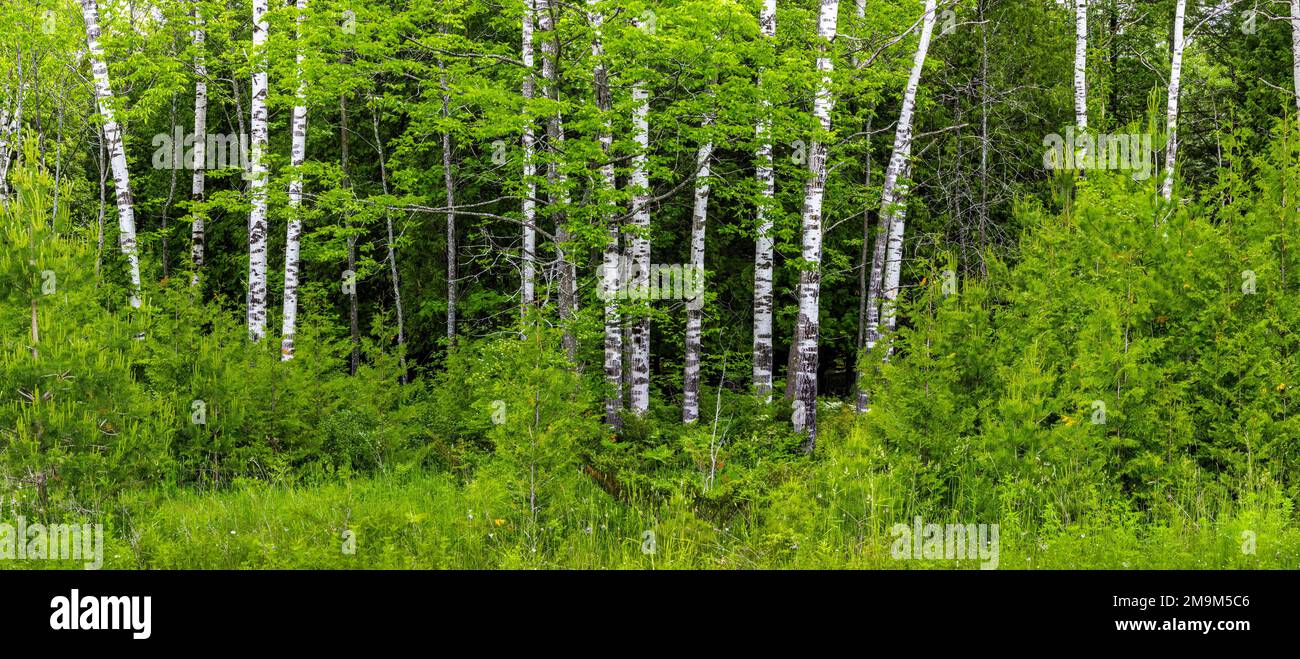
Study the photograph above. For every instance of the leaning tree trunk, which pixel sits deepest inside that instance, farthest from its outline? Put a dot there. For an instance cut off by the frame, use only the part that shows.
(113, 143)
(808, 323)
(609, 281)
(293, 234)
(762, 377)
(1171, 104)
(1081, 65)
(692, 278)
(197, 229)
(392, 244)
(557, 181)
(257, 187)
(894, 196)
(528, 270)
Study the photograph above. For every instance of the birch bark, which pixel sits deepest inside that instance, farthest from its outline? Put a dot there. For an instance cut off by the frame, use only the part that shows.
(198, 231)
(762, 375)
(257, 186)
(610, 272)
(1171, 103)
(293, 233)
(808, 324)
(116, 150)
(692, 278)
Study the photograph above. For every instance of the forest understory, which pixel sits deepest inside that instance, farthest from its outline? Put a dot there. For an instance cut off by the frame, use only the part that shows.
(669, 284)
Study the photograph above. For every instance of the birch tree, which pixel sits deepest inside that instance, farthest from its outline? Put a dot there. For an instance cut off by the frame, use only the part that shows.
(1081, 65)
(887, 255)
(694, 274)
(762, 376)
(197, 229)
(639, 181)
(1295, 53)
(529, 204)
(610, 275)
(257, 187)
(293, 232)
(11, 130)
(113, 143)
(1171, 103)
(807, 325)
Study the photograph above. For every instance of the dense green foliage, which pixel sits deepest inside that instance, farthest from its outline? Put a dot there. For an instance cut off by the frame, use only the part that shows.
(1110, 379)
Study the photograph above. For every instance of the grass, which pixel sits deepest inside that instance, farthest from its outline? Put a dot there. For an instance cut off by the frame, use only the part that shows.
(426, 520)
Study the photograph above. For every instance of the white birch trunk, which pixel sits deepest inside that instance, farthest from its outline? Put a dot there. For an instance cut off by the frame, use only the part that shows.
(762, 376)
(1081, 65)
(693, 277)
(1171, 103)
(198, 233)
(640, 258)
(894, 195)
(609, 281)
(113, 143)
(529, 256)
(1295, 52)
(257, 187)
(10, 135)
(11, 132)
(293, 234)
(808, 323)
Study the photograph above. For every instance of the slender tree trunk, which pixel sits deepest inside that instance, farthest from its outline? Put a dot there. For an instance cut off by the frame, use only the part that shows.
(11, 134)
(859, 393)
(762, 377)
(113, 144)
(257, 186)
(528, 293)
(354, 324)
(102, 167)
(610, 271)
(984, 130)
(1175, 79)
(1171, 103)
(556, 178)
(171, 197)
(864, 281)
(1081, 65)
(894, 197)
(808, 325)
(197, 229)
(293, 234)
(392, 243)
(453, 273)
(640, 257)
(1295, 52)
(693, 276)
